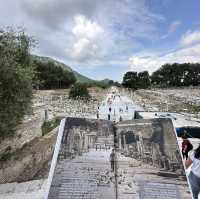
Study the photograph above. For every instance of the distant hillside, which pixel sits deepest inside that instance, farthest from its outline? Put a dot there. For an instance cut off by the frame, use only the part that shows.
(106, 81)
(79, 77)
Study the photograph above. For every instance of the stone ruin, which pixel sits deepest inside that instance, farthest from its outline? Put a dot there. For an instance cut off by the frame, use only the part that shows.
(64, 106)
(151, 141)
(82, 134)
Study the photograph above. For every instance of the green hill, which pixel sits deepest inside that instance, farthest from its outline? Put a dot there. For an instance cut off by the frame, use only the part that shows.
(79, 77)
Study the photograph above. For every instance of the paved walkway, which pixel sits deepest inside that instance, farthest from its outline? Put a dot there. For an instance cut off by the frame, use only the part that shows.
(118, 106)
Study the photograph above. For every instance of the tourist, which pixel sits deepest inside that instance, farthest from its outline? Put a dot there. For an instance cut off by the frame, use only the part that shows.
(194, 176)
(186, 146)
(112, 160)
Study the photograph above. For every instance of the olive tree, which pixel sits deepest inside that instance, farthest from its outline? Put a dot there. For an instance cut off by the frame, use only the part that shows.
(15, 78)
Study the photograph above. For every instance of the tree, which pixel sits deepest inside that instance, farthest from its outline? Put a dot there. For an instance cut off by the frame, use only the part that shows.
(136, 80)
(79, 90)
(50, 76)
(170, 75)
(117, 84)
(15, 79)
(130, 80)
(143, 80)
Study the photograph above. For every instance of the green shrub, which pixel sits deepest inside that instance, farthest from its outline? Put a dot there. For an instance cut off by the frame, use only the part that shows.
(48, 126)
(6, 155)
(195, 109)
(79, 90)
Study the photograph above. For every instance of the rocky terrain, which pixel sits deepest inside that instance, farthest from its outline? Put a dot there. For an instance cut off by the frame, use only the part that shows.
(28, 147)
(186, 100)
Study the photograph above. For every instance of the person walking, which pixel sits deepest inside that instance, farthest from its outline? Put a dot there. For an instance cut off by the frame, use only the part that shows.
(194, 176)
(112, 160)
(186, 147)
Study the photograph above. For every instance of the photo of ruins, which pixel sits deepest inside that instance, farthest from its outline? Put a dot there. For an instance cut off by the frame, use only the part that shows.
(147, 161)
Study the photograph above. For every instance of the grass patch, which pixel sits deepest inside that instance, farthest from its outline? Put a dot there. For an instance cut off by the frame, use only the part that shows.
(195, 109)
(50, 125)
(6, 155)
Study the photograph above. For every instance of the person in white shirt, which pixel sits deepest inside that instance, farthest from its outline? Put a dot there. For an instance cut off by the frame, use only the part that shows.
(194, 176)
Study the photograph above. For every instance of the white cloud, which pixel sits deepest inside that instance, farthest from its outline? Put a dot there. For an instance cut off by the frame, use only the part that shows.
(190, 38)
(187, 51)
(86, 28)
(87, 39)
(82, 31)
(152, 63)
(84, 49)
(53, 14)
(140, 64)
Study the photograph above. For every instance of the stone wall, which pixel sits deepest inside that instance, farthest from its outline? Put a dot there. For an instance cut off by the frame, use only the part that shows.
(26, 162)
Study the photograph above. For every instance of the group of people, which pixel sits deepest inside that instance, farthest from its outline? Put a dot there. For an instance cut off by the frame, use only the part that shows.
(193, 160)
(120, 111)
(112, 109)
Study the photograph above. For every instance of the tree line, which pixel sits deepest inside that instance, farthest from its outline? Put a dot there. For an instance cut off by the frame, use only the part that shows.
(136, 80)
(48, 75)
(169, 75)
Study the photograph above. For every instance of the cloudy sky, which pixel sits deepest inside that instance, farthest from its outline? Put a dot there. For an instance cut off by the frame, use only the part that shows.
(105, 38)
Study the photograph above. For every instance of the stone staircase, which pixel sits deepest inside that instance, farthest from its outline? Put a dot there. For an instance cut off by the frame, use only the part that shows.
(76, 184)
(82, 177)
